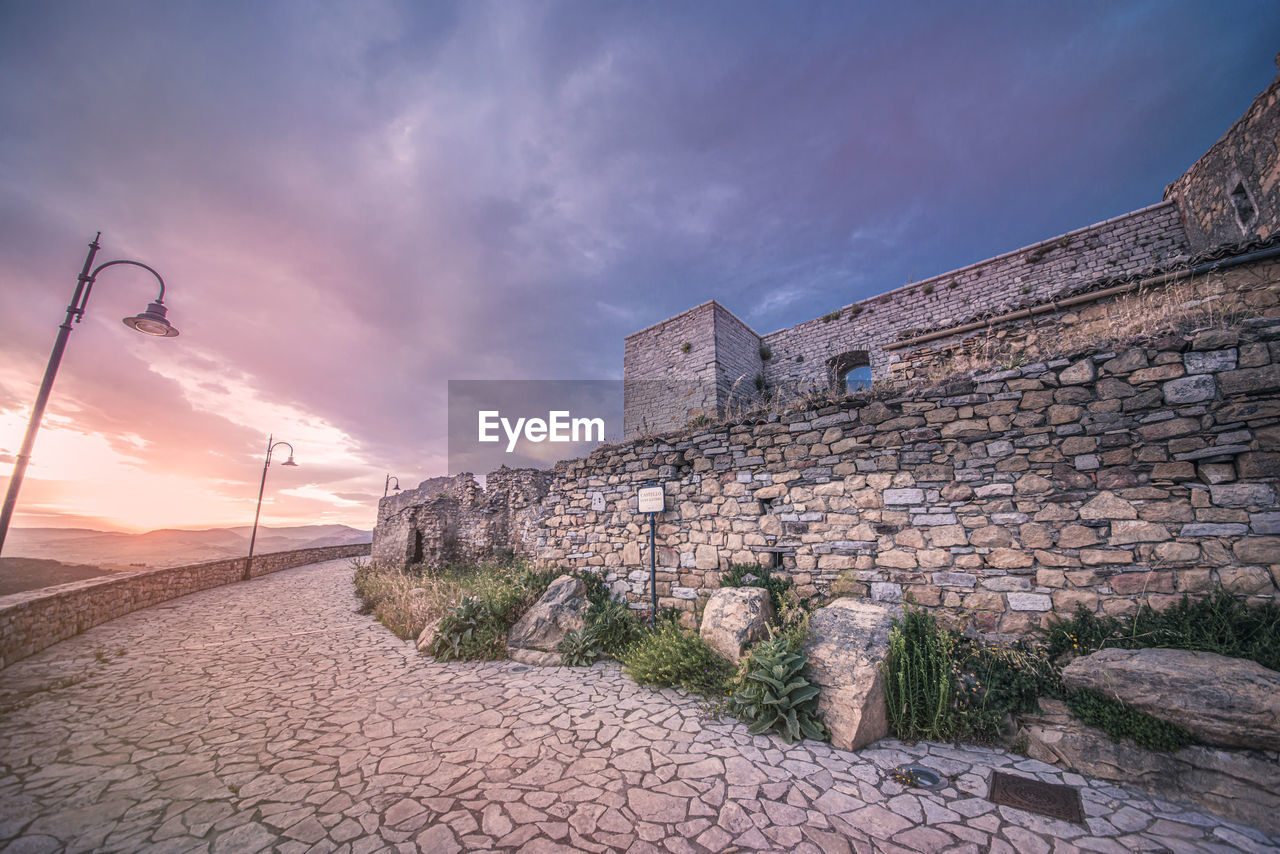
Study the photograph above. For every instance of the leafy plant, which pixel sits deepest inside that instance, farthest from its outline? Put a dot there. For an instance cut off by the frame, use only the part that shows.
(918, 679)
(995, 683)
(579, 648)
(1120, 720)
(927, 289)
(775, 696)
(766, 352)
(471, 630)
(613, 625)
(831, 315)
(700, 420)
(671, 656)
(754, 575)
(685, 347)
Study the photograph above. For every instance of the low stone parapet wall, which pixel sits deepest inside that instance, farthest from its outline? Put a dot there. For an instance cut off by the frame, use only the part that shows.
(36, 619)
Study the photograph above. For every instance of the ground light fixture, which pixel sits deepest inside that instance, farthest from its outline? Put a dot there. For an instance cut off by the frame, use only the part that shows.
(248, 564)
(150, 322)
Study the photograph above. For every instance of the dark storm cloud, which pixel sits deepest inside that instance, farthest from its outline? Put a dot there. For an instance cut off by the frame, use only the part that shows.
(355, 203)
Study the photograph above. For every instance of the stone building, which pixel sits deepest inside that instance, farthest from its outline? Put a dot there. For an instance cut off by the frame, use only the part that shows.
(705, 361)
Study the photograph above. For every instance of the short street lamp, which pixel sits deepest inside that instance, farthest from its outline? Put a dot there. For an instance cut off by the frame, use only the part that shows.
(248, 566)
(388, 483)
(150, 322)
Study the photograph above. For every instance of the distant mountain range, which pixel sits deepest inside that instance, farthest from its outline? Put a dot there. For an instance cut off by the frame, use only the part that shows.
(169, 547)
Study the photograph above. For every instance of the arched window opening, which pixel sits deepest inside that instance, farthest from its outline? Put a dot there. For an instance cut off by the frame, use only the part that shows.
(851, 371)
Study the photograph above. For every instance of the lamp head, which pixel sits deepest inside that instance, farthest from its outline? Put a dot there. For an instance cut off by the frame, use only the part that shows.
(396, 488)
(289, 462)
(152, 322)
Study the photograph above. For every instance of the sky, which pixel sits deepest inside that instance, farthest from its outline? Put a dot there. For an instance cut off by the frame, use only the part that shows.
(354, 203)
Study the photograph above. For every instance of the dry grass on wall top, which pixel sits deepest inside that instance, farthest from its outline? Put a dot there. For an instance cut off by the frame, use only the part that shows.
(1216, 301)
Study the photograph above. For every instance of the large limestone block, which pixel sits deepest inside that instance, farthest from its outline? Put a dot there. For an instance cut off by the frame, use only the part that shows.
(427, 636)
(1241, 785)
(535, 636)
(1230, 702)
(735, 618)
(848, 643)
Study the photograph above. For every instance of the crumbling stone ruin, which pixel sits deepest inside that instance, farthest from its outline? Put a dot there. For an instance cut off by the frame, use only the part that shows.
(1102, 477)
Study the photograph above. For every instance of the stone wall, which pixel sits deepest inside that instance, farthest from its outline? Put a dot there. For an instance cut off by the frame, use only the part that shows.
(448, 520)
(36, 619)
(1133, 243)
(1104, 479)
(1232, 193)
(665, 382)
(738, 362)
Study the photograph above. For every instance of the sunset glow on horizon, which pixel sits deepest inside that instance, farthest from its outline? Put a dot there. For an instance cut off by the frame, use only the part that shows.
(352, 204)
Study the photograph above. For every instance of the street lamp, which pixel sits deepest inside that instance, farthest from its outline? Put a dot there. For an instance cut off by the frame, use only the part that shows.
(150, 322)
(388, 483)
(248, 566)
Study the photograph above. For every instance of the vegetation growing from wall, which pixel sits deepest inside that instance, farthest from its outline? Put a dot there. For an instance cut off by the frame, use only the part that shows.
(1218, 623)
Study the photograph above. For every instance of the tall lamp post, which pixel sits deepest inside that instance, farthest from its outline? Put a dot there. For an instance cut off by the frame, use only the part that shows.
(388, 483)
(248, 566)
(150, 322)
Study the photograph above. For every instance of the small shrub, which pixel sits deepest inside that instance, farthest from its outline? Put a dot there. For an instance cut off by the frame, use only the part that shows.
(856, 311)
(754, 575)
(831, 315)
(699, 421)
(686, 347)
(760, 383)
(799, 359)
(1120, 720)
(954, 283)
(918, 679)
(1217, 623)
(579, 648)
(927, 289)
(766, 352)
(774, 696)
(472, 630)
(996, 683)
(670, 656)
(614, 626)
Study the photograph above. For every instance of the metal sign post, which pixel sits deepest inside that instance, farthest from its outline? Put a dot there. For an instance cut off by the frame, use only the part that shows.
(651, 499)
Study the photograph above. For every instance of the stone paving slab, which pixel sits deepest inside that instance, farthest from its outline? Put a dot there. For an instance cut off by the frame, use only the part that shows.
(269, 715)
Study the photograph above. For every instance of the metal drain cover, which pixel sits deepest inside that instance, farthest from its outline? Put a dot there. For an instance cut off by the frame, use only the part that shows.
(1052, 799)
(519, 668)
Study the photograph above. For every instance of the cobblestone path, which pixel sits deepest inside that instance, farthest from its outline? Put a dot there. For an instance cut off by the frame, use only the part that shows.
(270, 716)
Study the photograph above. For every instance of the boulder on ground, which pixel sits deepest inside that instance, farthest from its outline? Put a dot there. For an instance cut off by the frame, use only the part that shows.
(427, 636)
(735, 618)
(535, 636)
(1230, 702)
(848, 643)
(1240, 785)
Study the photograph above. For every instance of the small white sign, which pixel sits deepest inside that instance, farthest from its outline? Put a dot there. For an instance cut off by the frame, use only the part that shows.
(597, 500)
(651, 499)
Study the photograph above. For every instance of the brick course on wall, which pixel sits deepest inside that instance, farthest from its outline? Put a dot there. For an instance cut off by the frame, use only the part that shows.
(36, 619)
(1103, 479)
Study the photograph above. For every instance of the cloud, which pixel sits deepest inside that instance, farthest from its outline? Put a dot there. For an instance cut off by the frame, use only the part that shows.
(355, 203)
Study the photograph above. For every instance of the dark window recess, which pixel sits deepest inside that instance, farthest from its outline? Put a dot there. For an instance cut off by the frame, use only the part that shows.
(417, 547)
(1245, 211)
(851, 371)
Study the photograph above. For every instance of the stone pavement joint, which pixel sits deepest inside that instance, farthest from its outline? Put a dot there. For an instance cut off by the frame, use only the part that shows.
(269, 715)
